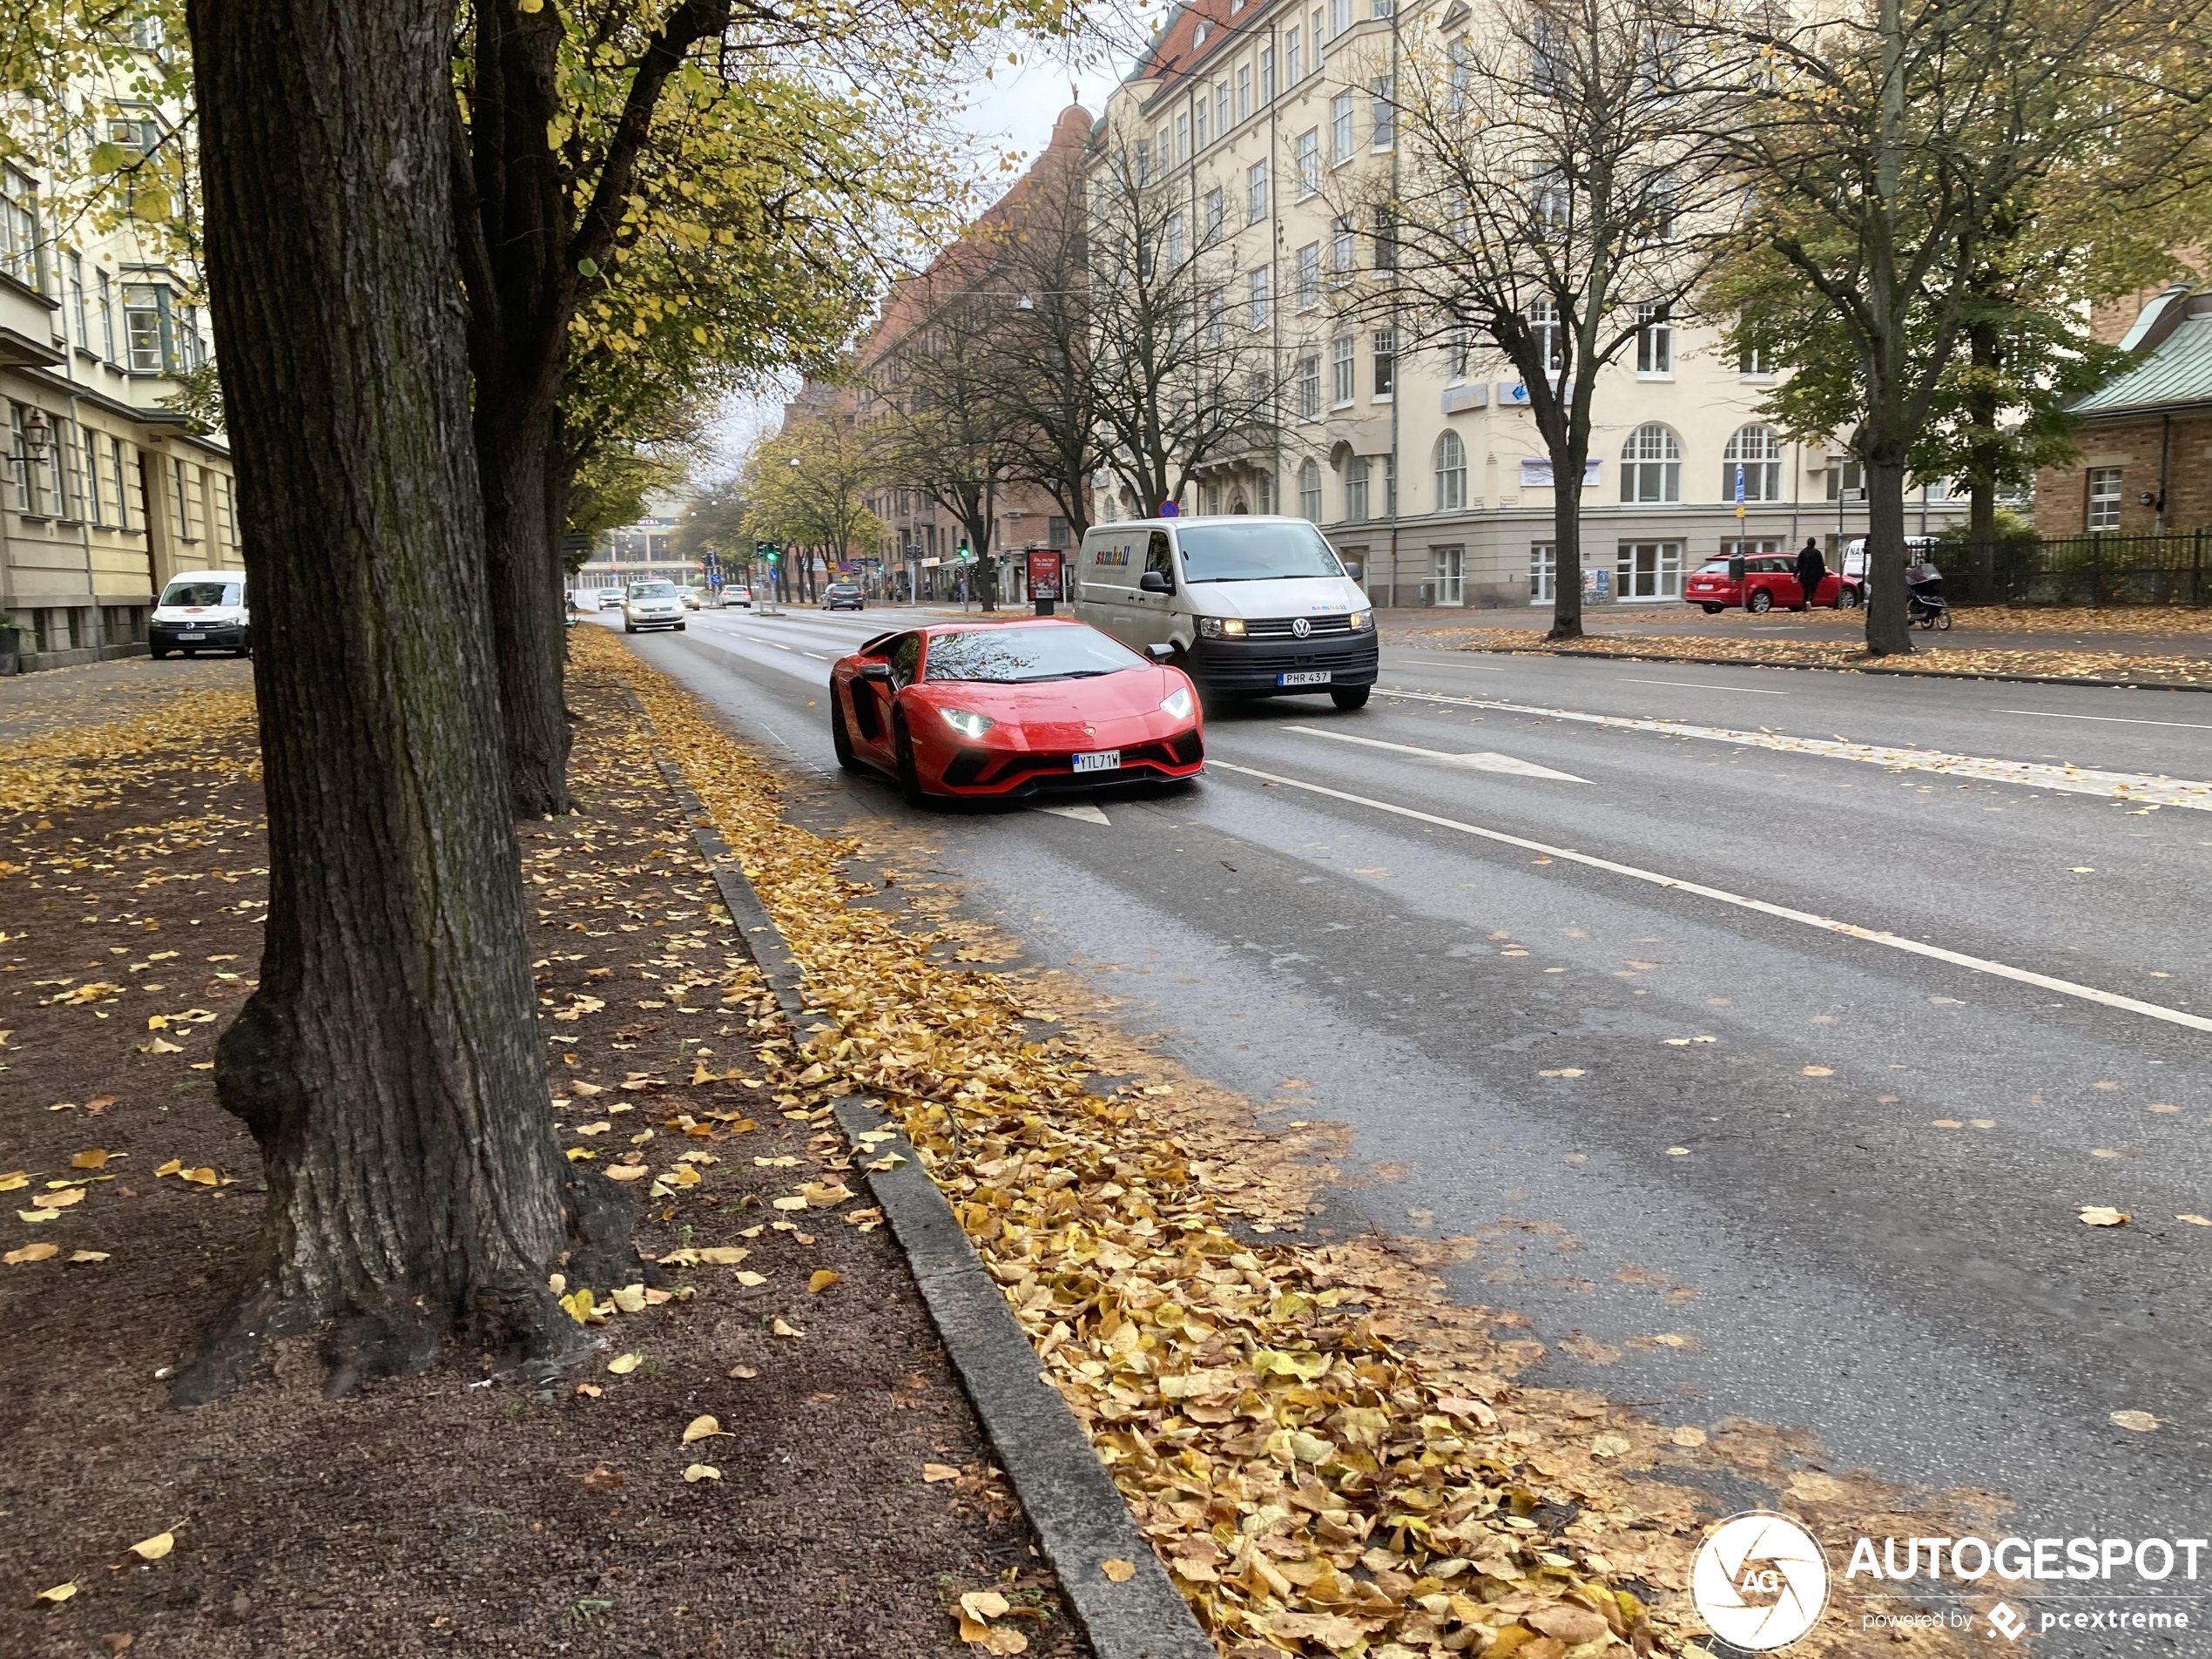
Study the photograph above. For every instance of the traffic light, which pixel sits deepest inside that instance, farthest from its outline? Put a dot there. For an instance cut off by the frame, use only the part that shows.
(768, 551)
(967, 555)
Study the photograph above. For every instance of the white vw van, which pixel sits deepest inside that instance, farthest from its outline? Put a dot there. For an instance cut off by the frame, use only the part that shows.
(201, 610)
(1253, 607)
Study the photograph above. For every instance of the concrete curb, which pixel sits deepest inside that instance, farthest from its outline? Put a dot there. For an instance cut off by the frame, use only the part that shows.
(1830, 668)
(1081, 1518)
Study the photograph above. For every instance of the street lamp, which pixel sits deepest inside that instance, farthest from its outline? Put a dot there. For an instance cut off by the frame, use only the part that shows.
(37, 434)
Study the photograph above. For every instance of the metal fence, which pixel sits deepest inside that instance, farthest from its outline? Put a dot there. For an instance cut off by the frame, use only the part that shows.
(2097, 569)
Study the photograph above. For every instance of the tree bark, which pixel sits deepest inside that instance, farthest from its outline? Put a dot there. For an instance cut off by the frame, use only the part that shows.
(1888, 633)
(1566, 548)
(514, 264)
(388, 1065)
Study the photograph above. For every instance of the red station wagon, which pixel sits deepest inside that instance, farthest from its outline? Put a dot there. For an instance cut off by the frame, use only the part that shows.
(1769, 580)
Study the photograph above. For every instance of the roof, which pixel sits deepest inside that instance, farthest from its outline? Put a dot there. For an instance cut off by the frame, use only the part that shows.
(2178, 370)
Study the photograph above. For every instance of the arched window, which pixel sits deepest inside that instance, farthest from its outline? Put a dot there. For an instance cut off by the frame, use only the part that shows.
(1758, 452)
(1309, 490)
(1651, 465)
(1451, 474)
(1356, 473)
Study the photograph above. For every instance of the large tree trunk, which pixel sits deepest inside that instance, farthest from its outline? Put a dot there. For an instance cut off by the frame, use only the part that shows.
(1985, 353)
(1566, 545)
(514, 248)
(522, 555)
(1888, 633)
(389, 1064)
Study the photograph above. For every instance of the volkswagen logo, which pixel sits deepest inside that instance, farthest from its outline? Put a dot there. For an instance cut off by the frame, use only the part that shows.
(1760, 1580)
(1301, 627)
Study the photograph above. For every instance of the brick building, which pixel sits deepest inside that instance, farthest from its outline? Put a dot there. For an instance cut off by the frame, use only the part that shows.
(2145, 438)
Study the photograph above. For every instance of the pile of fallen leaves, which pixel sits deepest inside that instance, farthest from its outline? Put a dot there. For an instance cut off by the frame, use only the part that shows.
(2112, 667)
(1310, 1485)
(73, 766)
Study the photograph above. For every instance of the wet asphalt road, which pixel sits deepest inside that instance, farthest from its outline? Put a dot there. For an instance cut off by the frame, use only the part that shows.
(1786, 1189)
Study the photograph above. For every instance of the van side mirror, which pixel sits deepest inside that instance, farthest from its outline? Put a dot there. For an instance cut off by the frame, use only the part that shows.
(1354, 570)
(1160, 652)
(1155, 581)
(875, 671)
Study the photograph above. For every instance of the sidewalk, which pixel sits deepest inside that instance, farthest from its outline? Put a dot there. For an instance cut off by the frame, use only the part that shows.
(2128, 647)
(853, 1498)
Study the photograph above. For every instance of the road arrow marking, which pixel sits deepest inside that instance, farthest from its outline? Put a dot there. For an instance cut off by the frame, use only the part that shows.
(1483, 760)
(1083, 814)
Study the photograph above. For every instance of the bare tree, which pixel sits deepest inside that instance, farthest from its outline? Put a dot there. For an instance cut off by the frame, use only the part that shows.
(1181, 363)
(1891, 150)
(1556, 194)
(943, 423)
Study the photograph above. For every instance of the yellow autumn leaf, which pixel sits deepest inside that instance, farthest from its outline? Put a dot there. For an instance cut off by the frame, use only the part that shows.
(700, 1427)
(698, 1472)
(821, 1279)
(56, 1595)
(778, 1328)
(1117, 1569)
(200, 1177)
(38, 1253)
(2141, 1422)
(93, 1158)
(2098, 1215)
(630, 1299)
(13, 1179)
(628, 1172)
(153, 1548)
(623, 1364)
(579, 1303)
(77, 1256)
(173, 1167)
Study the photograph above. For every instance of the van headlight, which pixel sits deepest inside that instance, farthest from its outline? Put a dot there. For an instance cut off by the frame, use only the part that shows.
(967, 723)
(1359, 619)
(1176, 703)
(1221, 627)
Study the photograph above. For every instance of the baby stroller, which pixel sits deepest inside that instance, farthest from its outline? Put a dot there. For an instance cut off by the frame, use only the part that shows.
(1924, 600)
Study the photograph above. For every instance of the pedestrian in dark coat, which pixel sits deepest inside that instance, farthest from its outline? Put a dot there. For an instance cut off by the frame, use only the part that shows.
(1811, 568)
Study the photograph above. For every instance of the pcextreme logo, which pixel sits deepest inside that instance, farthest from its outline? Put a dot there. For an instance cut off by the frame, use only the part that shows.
(1760, 1580)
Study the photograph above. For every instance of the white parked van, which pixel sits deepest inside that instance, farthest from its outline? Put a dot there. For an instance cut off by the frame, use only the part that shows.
(201, 610)
(1253, 607)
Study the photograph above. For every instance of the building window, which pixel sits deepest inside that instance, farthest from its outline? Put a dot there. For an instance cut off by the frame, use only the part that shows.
(1341, 126)
(94, 496)
(19, 462)
(76, 311)
(1267, 74)
(1306, 388)
(1213, 217)
(1221, 107)
(69, 457)
(1209, 498)
(1543, 568)
(1293, 70)
(1648, 570)
(1382, 107)
(1339, 17)
(107, 317)
(1183, 138)
(1244, 92)
(2104, 498)
(145, 326)
(1341, 356)
(1386, 353)
(1451, 569)
(1257, 299)
(1451, 474)
(1755, 363)
(1753, 459)
(1651, 466)
(1344, 254)
(1543, 331)
(1309, 490)
(1552, 206)
(1356, 473)
(1217, 316)
(1143, 161)
(1175, 243)
(1256, 193)
(1847, 480)
(1655, 343)
(1385, 234)
(19, 229)
(120, 472)
(1305, 157)
(1309, 276)
(1199, 113)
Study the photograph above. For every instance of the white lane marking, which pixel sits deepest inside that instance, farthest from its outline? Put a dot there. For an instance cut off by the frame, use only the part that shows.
(1083, 812)
(1479, 668)
(1748, 691)
(1803, 918)
(2110, 719)
(816, 655)
(1482, 760)
(2139, 787)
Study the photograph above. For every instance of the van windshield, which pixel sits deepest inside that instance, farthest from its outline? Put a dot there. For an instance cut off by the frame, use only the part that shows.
(201, 593)
(1011, 655)
(652, 590)
(1254, 552)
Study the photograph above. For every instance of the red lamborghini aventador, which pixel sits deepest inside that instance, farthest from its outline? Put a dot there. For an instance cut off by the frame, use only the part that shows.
(1017, 708)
